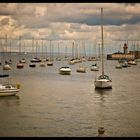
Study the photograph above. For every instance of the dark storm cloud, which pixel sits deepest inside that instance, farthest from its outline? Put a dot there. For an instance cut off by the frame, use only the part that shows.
(93, 21)
(114, 21)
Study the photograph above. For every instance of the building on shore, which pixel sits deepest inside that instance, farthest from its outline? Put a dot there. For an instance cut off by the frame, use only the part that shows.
(124, 55)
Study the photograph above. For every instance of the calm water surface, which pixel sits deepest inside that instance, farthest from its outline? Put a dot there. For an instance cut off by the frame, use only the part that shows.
(54, 105)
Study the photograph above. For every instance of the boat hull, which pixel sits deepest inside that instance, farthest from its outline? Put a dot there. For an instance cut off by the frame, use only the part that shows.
(20, 66)
(118, 66)
(8, 92)
(6, 67)
(32, 65)
(94, 68)
(42, 64)
(65, 71)
(102, 84)
(50, 63)
(81, 70)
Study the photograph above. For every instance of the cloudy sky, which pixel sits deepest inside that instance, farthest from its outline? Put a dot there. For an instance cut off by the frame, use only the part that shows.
(70, 21)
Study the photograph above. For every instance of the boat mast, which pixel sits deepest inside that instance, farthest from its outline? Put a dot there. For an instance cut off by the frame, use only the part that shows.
(66, 51)
(50, 51)
(102, 40)
(72, 50)
(19, 44)
(42, 49)
(58, 50)
(36, 48)
(32, 46)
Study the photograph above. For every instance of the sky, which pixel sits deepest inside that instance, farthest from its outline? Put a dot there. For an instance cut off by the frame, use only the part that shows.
(69, 22)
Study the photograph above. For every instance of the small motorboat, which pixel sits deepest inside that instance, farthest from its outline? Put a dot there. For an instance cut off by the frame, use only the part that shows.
(65, 71)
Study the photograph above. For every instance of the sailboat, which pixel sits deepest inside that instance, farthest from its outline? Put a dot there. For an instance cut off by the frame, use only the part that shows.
(133, 61)
(58, 58)
(84, 55)
(42, 64)
(36, 59)
(66, 55)
(6, 66)
(32, 64)
(72, 61)
(50, 61)
(23, 59)
(137, 59)
(103, 81)
(20, 65)
(95, 67)
(81, 68)
(10, 61)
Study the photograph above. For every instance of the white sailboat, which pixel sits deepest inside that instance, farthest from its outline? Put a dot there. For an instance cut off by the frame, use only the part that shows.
(20, 65)
(50, 61)
(32, 64)
(137, 59)
(65, 70)
(58, 58)
(66, 56)
(42, 64)
(36, 59)
(6, 66)
(72, 61)
(95, 67)
(81, 67)
(23, 59)
(119, 63)
(133, 61)
(103, 81)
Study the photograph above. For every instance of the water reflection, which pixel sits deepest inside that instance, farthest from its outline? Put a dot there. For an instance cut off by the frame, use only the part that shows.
(10, 100)
(103, 91)
(102, 96)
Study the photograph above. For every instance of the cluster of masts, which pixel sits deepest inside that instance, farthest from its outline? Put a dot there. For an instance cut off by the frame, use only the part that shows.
(76, 55)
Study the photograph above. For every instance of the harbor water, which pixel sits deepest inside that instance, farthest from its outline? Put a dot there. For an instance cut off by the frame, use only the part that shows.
(54, 105)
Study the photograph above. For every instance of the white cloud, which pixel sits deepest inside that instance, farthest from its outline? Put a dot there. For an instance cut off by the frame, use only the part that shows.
(70, 21)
